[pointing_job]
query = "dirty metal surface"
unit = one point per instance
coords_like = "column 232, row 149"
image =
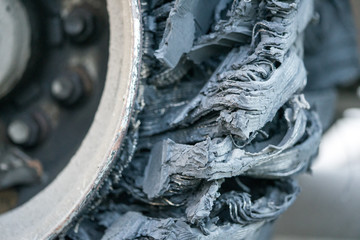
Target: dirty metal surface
column 49, row 212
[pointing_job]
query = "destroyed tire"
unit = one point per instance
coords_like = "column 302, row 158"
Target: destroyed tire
column 211, row 143
column 222, row 124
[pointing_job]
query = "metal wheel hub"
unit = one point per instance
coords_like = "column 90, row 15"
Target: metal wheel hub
column 67, row 107
column 15, row 39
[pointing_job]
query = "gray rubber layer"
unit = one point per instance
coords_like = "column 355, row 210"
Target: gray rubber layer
column 222, row 124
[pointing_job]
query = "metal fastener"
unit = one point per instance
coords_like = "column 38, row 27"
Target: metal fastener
column 79, row 25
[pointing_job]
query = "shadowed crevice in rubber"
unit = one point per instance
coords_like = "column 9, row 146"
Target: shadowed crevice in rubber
column 244, row 116
column 224, row 125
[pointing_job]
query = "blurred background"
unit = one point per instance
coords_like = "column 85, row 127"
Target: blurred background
column 329, row 204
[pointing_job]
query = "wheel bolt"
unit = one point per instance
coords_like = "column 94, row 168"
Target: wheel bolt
column 74, row 25
column 79, row 25
column 70, row 87
column 23, row 132
column 19, row 132
column 62, row 88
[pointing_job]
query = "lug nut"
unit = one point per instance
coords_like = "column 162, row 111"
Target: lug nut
column 62, row 88
column 28, row 130
column 70, row 87
column 23, row 132
column 74, row 25
column 19, row 132
column 79, row 25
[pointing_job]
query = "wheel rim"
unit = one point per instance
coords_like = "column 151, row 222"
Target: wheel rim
column 50, row 211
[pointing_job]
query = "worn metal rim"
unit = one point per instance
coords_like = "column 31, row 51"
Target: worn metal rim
column 53, row 209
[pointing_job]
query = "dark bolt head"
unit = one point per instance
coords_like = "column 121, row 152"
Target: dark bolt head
column 69, row 88
column 62, row 88
column 79, row 25
column 74, row 25
column 19, row 132
column 24, row 131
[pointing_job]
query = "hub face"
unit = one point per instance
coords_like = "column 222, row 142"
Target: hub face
column 15, row 37
column 114, row 74
column 52, row 76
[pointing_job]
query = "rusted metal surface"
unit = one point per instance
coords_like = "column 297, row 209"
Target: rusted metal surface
column 8, row 200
